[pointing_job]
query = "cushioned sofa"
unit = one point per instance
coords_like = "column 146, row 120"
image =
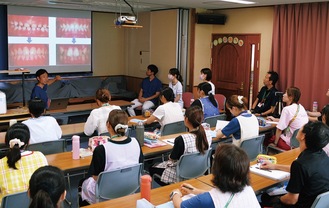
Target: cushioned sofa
column 79, row 87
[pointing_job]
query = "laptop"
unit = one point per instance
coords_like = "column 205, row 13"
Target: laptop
column 58, row 103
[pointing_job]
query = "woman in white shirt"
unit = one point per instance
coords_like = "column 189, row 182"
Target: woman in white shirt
column 168, row 112
column 176, row 85
column 293, row 117
column 231, row 183
column 98, row 117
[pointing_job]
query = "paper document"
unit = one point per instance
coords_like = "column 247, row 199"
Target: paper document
column 271, row 122
column 85, row 152
column 221, row 124
column 136, row 120
column 170, row 141
column 211, row 133
column 272, row 174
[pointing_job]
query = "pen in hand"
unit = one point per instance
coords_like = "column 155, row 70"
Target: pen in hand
column 190, row 188
column 263, row 169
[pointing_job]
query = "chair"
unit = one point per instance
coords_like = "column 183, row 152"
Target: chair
column 173, row 128
column 48, row 148
column 321, row 201
column 253, row 146
column 187, row 97
column 212, row 121
column 193, row 165
column 118, row 183
column 20, row 199
column 293, row 143
column 221, row 99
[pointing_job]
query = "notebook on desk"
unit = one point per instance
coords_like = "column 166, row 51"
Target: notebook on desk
column 272, row 174
column 59, row 103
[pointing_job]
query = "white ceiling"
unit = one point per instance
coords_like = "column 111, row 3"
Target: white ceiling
column 144, row 5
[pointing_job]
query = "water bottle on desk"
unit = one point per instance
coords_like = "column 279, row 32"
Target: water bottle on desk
column 76, row 147
column 315, row 106
column 140, row 133
column 146, row 187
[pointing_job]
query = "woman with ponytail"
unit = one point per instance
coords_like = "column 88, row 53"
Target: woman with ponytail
column 47, row 188
column 119, row 151
column 168, row 112
column 244, row 125
column 195, row 141
column 206, row 100
column 19, row 164
column 97, row 118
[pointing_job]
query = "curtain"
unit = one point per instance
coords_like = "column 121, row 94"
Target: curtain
column 300, row 50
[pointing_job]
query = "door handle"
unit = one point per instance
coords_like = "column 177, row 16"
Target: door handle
column 241, row 86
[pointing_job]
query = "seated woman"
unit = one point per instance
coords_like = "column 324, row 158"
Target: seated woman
column 206, row 101
column 168, row 112
column 19, row 164
column 231, row 183
column 308, row 175
column 293, row 116
column 175, row 84
column 97, row 118
column 42, row 128
column 118, row 152
column 195, row 141
column 244, row 125
column 47, row 187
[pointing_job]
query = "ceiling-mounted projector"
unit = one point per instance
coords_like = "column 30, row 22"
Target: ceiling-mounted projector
column 126, row 20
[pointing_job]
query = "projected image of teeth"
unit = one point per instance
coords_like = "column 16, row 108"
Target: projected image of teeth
column 73, row 54
column 31, row 26
column 28, row 54
column 73, row 27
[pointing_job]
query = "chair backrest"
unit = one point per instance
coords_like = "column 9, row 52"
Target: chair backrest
column 212, row 121
column 253, row 146
column 321, row 201
column 173, row 128
column 293, row 140
column 221, row 99
column 187, row 96
column 193, row 165
column 20, row 199
column 48, row 148
column 118, row 183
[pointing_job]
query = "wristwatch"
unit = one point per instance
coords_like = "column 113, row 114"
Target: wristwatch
column 172, row 194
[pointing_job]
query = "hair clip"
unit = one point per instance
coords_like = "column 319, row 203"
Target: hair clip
column 15, row 141
column 240, row 99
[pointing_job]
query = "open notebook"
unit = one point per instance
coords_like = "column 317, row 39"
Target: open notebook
column 272, row 174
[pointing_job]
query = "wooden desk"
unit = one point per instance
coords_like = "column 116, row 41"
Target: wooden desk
column 67, row 130
column 65, row 162
column 24, row 112
column 87, row 107
column 258, row 182
column 158, row 196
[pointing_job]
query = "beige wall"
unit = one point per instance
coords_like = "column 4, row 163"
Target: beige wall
column 108, row 42
column 137, row 47
column 163, row 31
column 251, row 20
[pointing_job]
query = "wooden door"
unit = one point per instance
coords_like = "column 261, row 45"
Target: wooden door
column 235, row 64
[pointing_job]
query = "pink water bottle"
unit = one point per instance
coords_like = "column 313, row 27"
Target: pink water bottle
column 146, row 187
column 76, row 147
